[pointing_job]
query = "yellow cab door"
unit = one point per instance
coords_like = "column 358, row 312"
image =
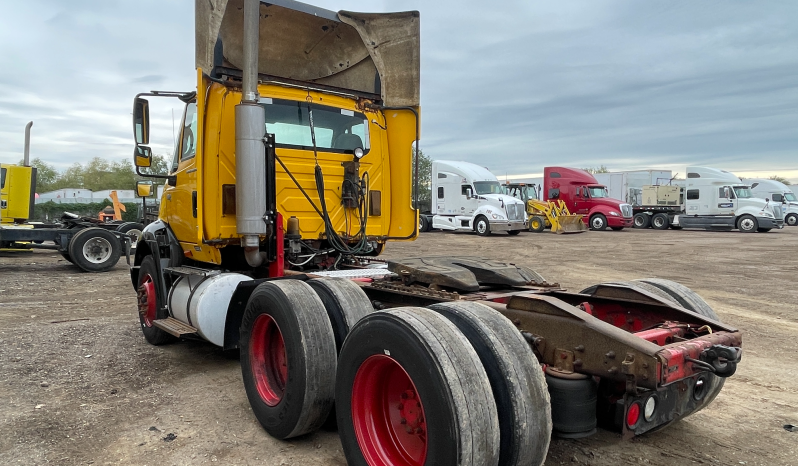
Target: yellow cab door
column 181, row 198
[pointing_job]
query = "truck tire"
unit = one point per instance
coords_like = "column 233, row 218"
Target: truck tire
column 763, row 230
column 149, row 302
column 791, row 220
column 423, row 223
column 94, row 249
column 288, row 358
column 598, row 222
column 513, row 232
column 345, row 303
column 660, row 221
column 411, row 390
column 66, row 256
column 482, row 226
column 518, row 384
column 132, row 229
column 641, row 221
column 537, row 224
column 747, row 224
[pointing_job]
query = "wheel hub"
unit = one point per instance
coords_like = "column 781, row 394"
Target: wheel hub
column 147, row 300
column 97, row 250
column 268, row 359
column 388, row 415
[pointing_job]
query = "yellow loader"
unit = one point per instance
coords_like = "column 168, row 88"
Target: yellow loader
column 544, row 214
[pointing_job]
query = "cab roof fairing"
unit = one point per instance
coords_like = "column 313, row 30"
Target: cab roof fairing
column 375, row 53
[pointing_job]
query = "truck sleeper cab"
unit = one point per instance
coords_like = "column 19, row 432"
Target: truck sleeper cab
column 583, row 195
column 717, row 199
column 777, row 192
column 467, row 197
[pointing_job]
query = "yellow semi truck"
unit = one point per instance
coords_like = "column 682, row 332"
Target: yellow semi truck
column 91, row 245
column 293, row 170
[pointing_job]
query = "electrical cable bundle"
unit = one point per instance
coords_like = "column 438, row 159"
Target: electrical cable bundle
column 335, row 240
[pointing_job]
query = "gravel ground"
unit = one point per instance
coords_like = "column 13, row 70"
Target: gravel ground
column 79, row 385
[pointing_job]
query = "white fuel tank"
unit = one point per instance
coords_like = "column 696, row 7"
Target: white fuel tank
column 201, row 301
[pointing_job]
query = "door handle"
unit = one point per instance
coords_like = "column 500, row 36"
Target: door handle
column 194, row 203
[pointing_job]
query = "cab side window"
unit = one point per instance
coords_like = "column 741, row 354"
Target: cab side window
column 692, row 194
column 778, row 197
column 188, row 143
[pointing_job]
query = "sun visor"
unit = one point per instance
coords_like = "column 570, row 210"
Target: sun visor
column 375, row 53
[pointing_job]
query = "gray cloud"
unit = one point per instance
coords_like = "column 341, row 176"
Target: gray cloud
column 516, row 86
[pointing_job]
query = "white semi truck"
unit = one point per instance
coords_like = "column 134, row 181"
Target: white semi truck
column 709, row 198
column 777, row 192
column 467, row 197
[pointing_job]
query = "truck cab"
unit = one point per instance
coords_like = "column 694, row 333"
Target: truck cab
column 717, row 199
column 17, row 192
column 468, row 197
column 778, row 192
column 584, row 195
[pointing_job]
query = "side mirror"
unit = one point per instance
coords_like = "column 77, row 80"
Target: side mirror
column 142, row 157
column 141, row 121
column 144, row 188
column 469, row 193
column 554, row 193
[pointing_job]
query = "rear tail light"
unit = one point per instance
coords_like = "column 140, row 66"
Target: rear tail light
column 633, row 415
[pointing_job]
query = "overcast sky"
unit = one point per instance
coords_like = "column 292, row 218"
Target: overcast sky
column 514, row 85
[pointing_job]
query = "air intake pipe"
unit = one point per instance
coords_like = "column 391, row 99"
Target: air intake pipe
column 26, row 158
column 251, row 203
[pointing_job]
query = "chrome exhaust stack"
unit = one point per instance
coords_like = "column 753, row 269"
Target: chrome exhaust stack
column 251, row 205
column 26, row 158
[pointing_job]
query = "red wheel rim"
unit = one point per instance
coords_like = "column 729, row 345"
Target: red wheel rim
column 147, row 300
column 387, row 414
column 267, row 359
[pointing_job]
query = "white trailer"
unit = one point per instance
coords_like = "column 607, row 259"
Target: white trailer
column 628, row 185
column 776, row 191
column 467, row 197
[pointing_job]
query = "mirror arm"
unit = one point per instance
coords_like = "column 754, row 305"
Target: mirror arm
column 147, row 175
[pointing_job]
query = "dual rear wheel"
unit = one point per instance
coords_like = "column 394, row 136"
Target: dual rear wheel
column 454, row 384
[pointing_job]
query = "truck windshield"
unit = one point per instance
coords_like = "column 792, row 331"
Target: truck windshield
column 598, row 191
column 790, row 197
column 337, row 130
column 743, row 192
column 488, row 187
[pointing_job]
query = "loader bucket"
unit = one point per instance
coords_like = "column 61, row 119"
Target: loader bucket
column 569, row 224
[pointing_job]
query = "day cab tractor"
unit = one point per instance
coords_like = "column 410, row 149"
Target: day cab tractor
column 293, row 170
column 90, row 244
column 545, row 214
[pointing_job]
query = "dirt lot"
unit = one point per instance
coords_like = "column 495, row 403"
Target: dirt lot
column 79, row 385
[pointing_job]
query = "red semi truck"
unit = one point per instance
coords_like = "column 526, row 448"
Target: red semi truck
column 584, row 195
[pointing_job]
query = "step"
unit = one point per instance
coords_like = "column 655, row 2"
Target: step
column 174, row 327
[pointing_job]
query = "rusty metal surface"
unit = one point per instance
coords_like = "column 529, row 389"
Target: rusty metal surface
column 174, row 327
column 574, row 341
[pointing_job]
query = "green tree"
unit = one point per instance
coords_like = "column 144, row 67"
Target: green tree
column 424, row 179
column 46, row 175
column 780, row 178
column 594, row 170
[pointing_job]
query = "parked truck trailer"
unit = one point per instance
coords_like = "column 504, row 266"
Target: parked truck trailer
column 294, row 171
